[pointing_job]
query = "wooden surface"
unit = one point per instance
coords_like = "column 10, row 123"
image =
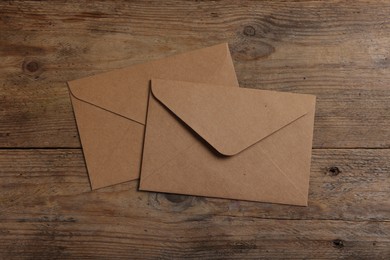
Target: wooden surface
column 337, row 50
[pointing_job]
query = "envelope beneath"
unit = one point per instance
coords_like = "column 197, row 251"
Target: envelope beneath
column 235, row 143
column 110, row 108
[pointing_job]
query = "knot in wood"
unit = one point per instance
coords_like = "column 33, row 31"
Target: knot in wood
column 249, row 30
column 333, row 171
column 338, row 243
column 32, row 66
column 174, row 198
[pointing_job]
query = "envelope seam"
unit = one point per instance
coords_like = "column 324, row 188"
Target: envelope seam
column 143, row 179
column 272, row 133
column 109, row 111
column 281, row 171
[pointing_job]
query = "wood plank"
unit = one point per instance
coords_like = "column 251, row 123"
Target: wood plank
column 222, row 238
column 335, row 50
column 48, row 211
column 351, row 185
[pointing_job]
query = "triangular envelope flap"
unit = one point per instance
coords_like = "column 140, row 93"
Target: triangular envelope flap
column 231, row 119
column 125, row 91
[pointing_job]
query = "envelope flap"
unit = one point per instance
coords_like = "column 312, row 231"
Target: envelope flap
column 122, row 91
column 125, row 91
column 231, row 119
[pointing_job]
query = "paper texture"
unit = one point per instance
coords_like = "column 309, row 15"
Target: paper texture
column 110, row 108
column 228, row 142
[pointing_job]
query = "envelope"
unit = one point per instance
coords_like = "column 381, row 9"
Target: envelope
column 110, row 108
column 228, row 142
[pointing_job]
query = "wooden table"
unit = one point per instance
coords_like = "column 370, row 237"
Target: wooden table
column 336, row 50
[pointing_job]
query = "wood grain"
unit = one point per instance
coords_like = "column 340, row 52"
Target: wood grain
column 344, row 185
column 47, row 208
column 223, row 238
column 335, row 50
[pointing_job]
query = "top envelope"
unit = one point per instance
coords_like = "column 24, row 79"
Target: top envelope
column 110, row 108
column 235, row 143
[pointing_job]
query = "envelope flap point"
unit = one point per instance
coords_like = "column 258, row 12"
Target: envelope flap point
column 231, row 119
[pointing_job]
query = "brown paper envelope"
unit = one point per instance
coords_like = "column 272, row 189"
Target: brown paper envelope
column 235, row 143
column 110, row 108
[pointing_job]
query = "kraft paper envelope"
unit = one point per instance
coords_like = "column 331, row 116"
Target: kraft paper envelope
column 110, row 108
column 236, row 143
